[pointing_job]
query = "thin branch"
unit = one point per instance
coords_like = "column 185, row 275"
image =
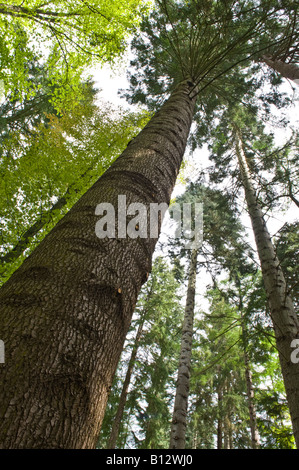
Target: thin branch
column 219, row 357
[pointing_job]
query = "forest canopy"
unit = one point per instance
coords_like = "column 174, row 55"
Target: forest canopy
column 146, row 341
column 66, row 37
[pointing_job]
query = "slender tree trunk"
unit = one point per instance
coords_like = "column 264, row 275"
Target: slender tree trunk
column 152, row 426
column 227, row 423
column 195, row 439
column 220, row 420
column 255, row 440
column 34, row 229
column 290, row 71
column 66, row 311
column 123, row 396
column 45, row 218
column 179, row 419
column 284, row 318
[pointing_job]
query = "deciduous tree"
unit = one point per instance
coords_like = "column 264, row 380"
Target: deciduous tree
column 68, row 37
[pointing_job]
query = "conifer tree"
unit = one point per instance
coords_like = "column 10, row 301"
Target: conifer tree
column 151, row 347
column 221, row 232
column 66, row 311
column 285, row 320
column 248, row 139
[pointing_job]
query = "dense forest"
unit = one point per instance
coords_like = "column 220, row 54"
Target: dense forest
column 149, row 251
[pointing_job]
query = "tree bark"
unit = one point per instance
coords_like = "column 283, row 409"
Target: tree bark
column 124, row 393
column 179, row 419
column 255, row 439
column 219, row 418
column 151, row 440
column 227, row 416
column 287, row 70
column 284, row 318
column 66, row 311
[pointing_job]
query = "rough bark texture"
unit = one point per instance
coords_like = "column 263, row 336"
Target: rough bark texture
column 284, row 318
column 179, row 419
column 65, row 313
column 287, row 70
column 123, row 396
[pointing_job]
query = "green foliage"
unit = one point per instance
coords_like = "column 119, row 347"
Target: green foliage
column 68, row 37
column 218, row 386
column 146, row 423
column 236, row 323
column 45, row 171
column 273, row 168
column 287, row 248
column 273, row 414
column 56, row 141
column 223, row 239
column 181, row 40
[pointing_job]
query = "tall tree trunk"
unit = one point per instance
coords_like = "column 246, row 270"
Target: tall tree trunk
column 227, row 419
column 284, row 318
column 66, row 311
column 287, row 70
column 179, row 419
column 220, row 419
column 123, row 396
column 255, row 440
column 152, row 423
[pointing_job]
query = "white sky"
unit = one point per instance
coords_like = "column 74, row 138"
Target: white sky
column 110, row 83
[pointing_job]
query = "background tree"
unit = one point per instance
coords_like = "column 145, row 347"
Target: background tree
column 285, row 320
column 45, row 170
column 25, row 114
column 221, row 231
column 146, row 408
column 219, row 361
column 178, row 424
column 283, row 56
column 219, row 393
column 251, row 141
